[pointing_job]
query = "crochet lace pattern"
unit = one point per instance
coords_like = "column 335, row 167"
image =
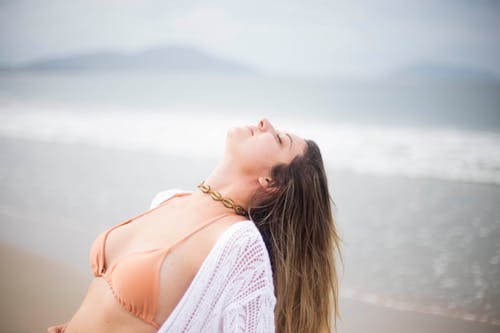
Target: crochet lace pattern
column 233, row 290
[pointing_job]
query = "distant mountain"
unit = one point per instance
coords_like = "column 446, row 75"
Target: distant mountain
column 169, row 59
column 441, row 72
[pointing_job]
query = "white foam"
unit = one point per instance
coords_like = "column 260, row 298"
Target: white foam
column 448, row 154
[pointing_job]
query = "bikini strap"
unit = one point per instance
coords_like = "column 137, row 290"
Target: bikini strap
column 107, row 232
column 159, row 205
column 215, row 219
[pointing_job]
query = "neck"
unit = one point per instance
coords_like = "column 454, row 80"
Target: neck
column 231, row 184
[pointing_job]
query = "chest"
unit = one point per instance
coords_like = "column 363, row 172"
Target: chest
column 142, row 258
column 156, row 230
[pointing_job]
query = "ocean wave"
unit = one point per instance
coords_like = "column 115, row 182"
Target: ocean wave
column 441, row 153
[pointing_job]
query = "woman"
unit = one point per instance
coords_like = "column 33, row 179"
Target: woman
column 252, row 250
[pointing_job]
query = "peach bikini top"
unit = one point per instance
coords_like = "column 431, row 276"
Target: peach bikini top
column 134, row 277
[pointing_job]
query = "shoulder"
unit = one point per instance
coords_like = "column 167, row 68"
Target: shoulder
column 244, row 237
column 243, row 257
column 249, row 289
column 164, row 195
column 234, row 281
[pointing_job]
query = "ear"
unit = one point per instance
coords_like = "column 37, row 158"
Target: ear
column 264, row 182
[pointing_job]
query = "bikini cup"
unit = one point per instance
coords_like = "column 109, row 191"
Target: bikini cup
column 134, row 278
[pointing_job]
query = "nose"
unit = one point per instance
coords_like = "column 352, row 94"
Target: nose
column 265, row 125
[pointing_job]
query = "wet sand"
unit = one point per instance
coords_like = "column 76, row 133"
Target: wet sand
column 360, row 317
column 38, row 292
column 55, row 199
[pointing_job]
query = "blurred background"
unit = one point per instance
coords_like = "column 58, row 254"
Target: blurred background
column 105, row 103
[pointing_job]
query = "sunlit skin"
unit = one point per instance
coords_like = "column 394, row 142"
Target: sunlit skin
column 250, row 153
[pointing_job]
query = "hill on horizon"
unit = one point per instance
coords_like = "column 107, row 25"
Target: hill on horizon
column 429, row 71
column 166, row 59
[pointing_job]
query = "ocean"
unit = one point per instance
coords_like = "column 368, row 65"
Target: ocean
column 414, row 167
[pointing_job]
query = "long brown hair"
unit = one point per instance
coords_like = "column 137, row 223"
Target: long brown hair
column 296, row 221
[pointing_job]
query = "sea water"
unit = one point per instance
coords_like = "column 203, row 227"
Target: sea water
column 421, row 223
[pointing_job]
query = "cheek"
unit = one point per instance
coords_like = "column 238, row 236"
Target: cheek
column 256, row 153
column 266, row 153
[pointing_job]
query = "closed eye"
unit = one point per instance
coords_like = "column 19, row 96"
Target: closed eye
column 279, row 139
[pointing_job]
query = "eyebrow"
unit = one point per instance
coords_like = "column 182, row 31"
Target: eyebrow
column 291, row 140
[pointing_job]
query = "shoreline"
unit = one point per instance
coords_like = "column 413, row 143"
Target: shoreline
column 372, row 298
column 361, row 317
column 57, row 198
column 48, row 292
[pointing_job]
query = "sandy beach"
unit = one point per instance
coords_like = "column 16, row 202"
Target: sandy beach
column 106, row 104
column 38, row 292
column 56, row 198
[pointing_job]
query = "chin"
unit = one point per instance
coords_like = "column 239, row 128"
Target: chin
column 240, row 132
column 235, row 138
column 230, row 135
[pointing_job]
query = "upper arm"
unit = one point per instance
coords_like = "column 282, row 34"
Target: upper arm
column 253, row 315
column 252, row 301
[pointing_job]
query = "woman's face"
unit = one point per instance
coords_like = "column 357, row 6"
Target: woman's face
column 257, row 148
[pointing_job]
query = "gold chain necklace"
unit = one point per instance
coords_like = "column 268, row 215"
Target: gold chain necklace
column 229, row 203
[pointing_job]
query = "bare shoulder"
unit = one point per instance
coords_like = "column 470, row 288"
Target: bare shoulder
column 225, row 224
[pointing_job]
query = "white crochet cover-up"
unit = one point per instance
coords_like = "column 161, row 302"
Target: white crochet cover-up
column 233, row 290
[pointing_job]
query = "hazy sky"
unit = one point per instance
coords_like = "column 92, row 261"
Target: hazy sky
column 313, row 37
